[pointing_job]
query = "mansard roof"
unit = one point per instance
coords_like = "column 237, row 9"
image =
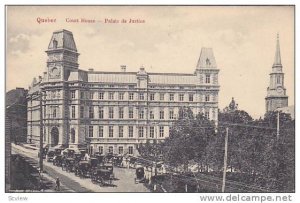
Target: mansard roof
column 131, row 77
column 206, row 59
column 62, row 39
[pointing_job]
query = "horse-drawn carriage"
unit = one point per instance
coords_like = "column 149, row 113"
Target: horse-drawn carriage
column 102, row 176
column 68, row 153
column 139, row 174
column 57, row 160
column 118, row 160
column 50, row 155
column 68, row 164
column 83, row 169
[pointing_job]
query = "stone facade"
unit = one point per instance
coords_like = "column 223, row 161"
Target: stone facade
column 114, row 111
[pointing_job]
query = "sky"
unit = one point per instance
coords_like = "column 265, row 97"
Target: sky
column 243, row 39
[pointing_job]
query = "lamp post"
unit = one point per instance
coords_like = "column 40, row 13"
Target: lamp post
column 225, row 161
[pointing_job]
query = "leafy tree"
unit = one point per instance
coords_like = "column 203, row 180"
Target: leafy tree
column 189, row 137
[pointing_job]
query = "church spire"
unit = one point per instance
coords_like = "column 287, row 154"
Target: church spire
column 277, row 59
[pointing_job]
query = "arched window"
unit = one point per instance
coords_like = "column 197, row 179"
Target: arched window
column 278, row 80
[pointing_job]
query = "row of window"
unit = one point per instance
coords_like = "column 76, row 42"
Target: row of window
column 141, row 96
column 111, row 133
column 111, row 149
column 141, row 114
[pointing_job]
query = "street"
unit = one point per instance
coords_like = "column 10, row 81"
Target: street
column 124, row 178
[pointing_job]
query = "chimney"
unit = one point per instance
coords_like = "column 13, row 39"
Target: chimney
column 123, row 68
column 91, row 69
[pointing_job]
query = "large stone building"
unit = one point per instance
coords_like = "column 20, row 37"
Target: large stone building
column 276, row 92
column 113, row 111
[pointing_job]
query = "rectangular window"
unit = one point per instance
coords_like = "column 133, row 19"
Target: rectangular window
column 171, row 97
column 161, row 96
column 91, row 112
column 141, row 131
column 91, row 95
column 130, row 150
column 161, row 114
column 100, row 149
column 54, row 111
column 100, row 131
column 141, row 114
column 152, row 131
column 130, row 112
column 161, row 131
column 207, row 78
column 121, row 96
column 207, row 114
column 111, row 131
column 121, row 151
column 73, row 94
column 120, row 131
column 181, row 97
column 121, row 112
column 91, row 131
column 73, row 112
column 81, row 111
column 111, row 96
column 91, row 150
column 171, row 114
column 101, row 113
column 82, row 95
column 110, row 149
column 207, row 98
column 141, row 96
column 191, row 97
column 131, row 95
column 111, row 112
column 151, row 115
column 101, row 95
column 152, row 96
column 130, row 131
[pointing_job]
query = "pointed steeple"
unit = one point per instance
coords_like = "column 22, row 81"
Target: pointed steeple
column 277, row 59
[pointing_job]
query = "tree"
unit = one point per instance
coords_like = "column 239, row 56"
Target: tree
column 188, row 139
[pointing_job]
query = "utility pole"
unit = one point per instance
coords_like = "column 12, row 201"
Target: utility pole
column 41, row 133
column 278, row 125
column 225, row 160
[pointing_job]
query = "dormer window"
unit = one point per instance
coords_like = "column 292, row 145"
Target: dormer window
column 54, row 44
column 208, row 62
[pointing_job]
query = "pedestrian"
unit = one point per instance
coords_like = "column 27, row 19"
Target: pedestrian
column 57, row 187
